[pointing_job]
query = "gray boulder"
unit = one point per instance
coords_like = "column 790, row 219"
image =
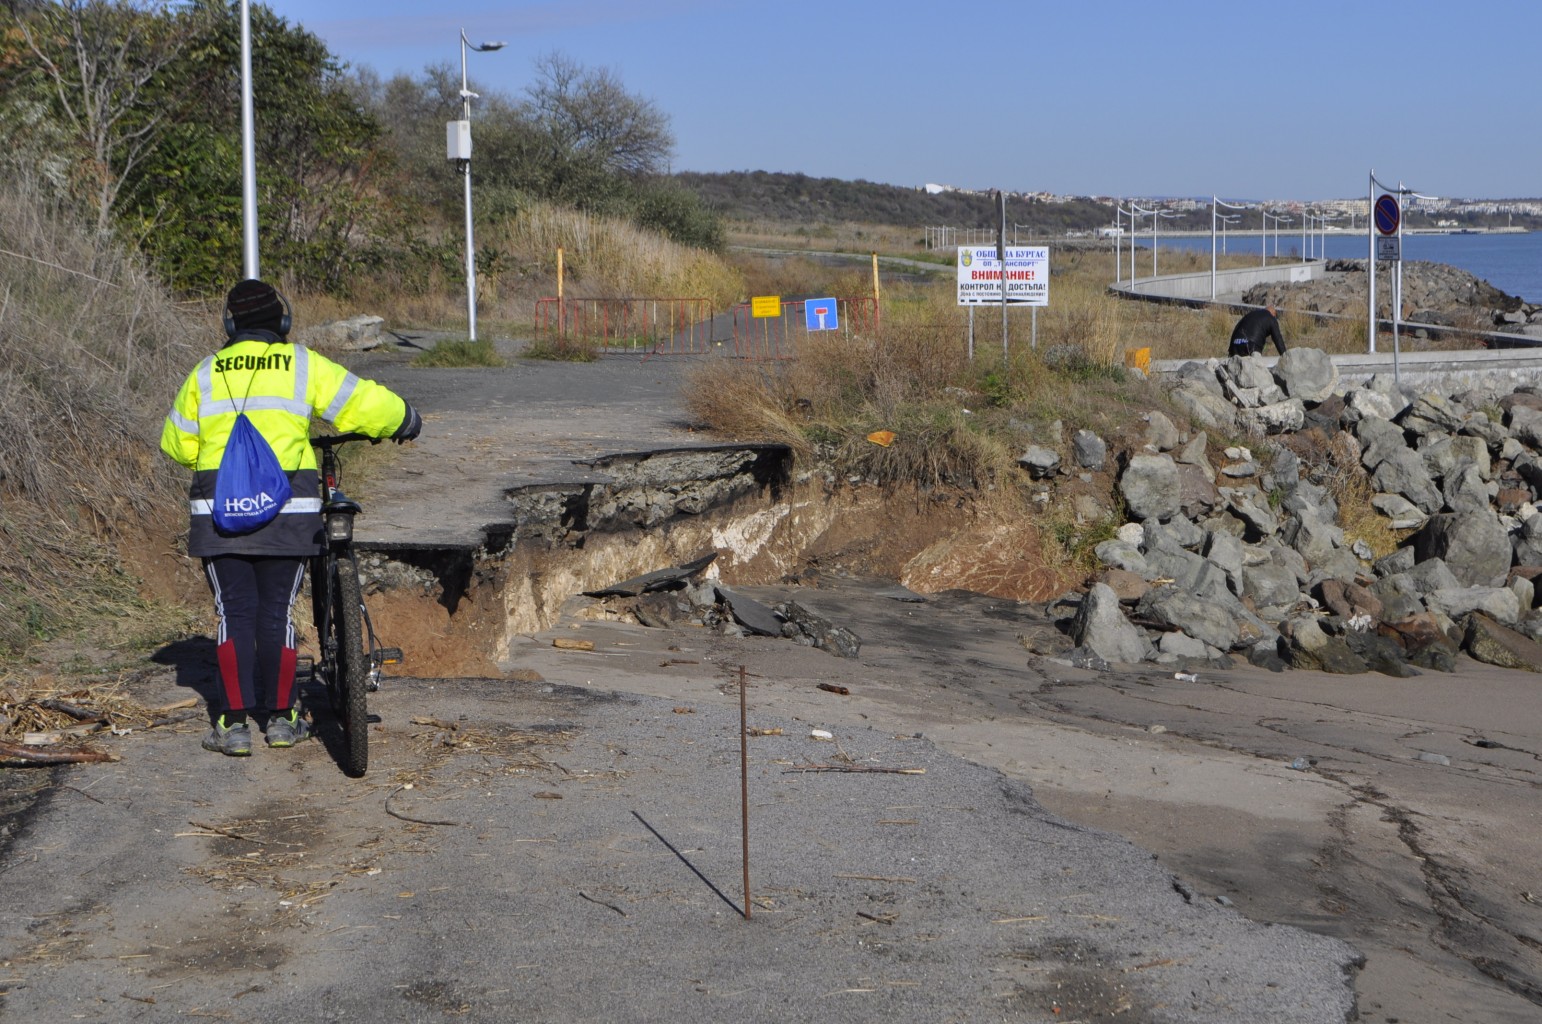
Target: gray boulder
column 1378, row 438
column 1360, row 403
column 1431, row 413
column 1491, row 643
column 1527, row 542
column 1274, row 417
column 353, row 334
column 1207, row 620
column 1123, row 555
column 1089, row 450
column 1307, row 374
column 1474, row 545
column 1273, row 589
column 1040, row 462
column 1161, row 434
column 1499, row 603
column 1151, row 487
column 1209, row 409
column 1100, row 626
column 1405, row 515
column 1402, row 472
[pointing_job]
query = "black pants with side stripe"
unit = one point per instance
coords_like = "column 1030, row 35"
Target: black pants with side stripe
column 253, row 596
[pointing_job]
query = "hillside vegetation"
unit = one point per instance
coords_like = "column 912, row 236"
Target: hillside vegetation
column 798, row 198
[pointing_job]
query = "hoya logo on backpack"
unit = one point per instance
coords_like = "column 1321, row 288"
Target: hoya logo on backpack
column 250, row 487
column 258, row 505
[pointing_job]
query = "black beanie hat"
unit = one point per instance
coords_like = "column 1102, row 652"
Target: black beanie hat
column 255, row 306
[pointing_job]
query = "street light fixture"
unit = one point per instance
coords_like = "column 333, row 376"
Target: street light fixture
column 458, row 148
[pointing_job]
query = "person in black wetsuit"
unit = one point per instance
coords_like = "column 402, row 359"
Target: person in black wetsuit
column 1253, row 331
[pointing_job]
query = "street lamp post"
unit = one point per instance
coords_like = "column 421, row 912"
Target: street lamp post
column 1216, row 217
column 459, row 150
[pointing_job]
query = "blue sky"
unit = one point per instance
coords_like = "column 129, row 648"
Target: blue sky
column 1276, row 100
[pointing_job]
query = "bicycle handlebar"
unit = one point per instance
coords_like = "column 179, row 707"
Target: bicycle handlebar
column 338, row 440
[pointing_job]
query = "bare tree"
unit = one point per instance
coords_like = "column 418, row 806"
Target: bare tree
column 589, row 113
column 98, row 61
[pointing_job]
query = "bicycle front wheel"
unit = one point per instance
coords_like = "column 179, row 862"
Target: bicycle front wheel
column 352, row 669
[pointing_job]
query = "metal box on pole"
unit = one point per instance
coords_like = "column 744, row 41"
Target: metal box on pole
column 457, row 140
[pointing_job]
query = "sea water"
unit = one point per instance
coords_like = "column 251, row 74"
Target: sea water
column 1510, row 262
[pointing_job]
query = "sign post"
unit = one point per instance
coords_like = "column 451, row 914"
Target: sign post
column 984, row 269
column 1388, row 218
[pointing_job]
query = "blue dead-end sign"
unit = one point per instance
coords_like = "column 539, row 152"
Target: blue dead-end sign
column 821, row 315
column 1387, row 214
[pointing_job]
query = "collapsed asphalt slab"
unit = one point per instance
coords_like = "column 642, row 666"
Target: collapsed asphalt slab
column 523, row 851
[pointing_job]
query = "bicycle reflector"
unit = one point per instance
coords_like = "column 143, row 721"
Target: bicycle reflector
column 340, row 526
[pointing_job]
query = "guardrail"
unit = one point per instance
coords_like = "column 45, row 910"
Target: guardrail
column 651, row 326
column 778, row 337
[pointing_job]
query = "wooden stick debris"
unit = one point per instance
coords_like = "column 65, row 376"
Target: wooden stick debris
column 403, row 817
column 36, row 756
column 832, row 688
column 877, row 878
column 854, row 769
column 228, row 833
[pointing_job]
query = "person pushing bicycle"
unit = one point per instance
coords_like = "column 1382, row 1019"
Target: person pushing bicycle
column 255, row 575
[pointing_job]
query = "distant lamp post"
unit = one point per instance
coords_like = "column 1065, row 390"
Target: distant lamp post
column 458, row 148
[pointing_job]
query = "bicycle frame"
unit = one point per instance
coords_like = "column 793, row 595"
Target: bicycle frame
column 349, row 658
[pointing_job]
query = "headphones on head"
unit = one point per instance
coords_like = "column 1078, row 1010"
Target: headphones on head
column 285, row 322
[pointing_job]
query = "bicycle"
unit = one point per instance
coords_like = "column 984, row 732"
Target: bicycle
column 349, row 659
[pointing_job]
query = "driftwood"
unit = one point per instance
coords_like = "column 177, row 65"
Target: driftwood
column 39, row 757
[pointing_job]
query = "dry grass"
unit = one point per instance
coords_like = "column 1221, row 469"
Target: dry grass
column 607, row 257
column 94, row 350
column 1351, row 488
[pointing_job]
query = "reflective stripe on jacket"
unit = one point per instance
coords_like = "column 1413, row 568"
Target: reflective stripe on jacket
column 280, row 387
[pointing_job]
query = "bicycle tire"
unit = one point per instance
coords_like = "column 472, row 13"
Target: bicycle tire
column 352, row 670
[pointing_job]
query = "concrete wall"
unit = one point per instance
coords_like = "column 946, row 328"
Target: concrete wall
column 1227, row 282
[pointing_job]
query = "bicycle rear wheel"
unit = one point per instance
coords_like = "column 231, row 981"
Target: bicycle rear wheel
column 351, row 673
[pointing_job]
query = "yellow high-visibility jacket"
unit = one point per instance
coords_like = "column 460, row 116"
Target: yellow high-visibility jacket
column 280, row 386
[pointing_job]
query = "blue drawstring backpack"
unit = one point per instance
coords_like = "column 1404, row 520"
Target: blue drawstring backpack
column 250, row 487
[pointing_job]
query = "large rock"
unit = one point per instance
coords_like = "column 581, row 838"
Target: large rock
column 1207, row 408
column 1378, row 438
column 1307, row 374
column 1474, row 545
column 1121, row 554
column 1039, row 461
column 1161, row 434
column 805, row 627
column 1273, row 589
column 1089, row 450
column 1360, row 403
column 1101, row 627
column 1424, row 643
column 1499, row 603
column 1274, row 417
column 355, row 334
column 1402, row 472
column 1151, row 487
column 1404, row 514
column 1431, row 413
column 1527, row 541
column 1494, row 644
column 1308, row 646
column 1217, row 619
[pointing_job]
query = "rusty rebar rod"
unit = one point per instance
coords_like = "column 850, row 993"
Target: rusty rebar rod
column 744, row 789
